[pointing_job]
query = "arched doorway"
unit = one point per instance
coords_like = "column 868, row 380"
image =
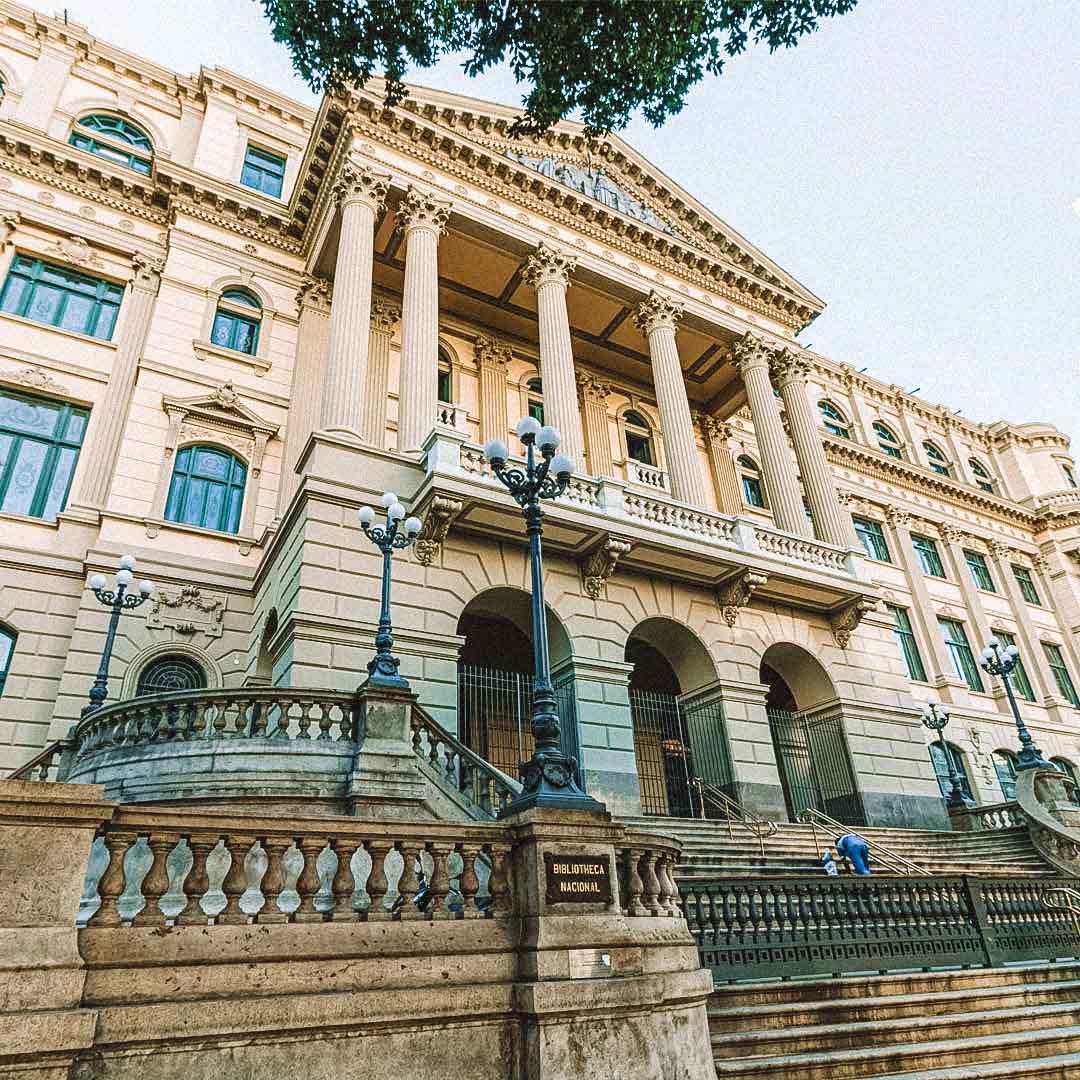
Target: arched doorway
column 680, row 743
column 809, row 740
column 495, row 679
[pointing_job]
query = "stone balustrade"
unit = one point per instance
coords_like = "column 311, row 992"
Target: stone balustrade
column 686, row 519
column 637, row 472
column 800, row 549
column 646, row 866
column 53, row 763
column 451, row 416
column 993, row 817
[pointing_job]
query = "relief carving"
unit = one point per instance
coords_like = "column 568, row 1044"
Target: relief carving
column 597, row 567
column 187, row 610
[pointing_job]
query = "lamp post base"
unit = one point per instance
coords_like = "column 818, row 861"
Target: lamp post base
column 551, row 781
column 1031, row 758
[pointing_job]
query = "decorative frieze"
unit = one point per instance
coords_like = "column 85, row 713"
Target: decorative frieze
column 736, row 591
column 187, row 610
column 598, row 566
column 35, row 378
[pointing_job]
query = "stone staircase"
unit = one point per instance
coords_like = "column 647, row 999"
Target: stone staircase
column 1018, row 1022
column 710, row 849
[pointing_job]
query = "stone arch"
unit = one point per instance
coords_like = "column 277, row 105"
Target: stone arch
column 141, row 660
column 264, row 658
column 75, row 110
column 241, row 281
column 685, row 652
column 803, row 673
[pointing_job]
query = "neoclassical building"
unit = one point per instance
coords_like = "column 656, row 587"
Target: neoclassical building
column 227, row 321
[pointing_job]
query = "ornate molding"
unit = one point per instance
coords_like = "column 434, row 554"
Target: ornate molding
column 76, row 250
column 490, row 353
column 314, row 293
column 845, row 620
column 594, row 390
column 714, row 429
column 361, row 183
column 385, row 314
column 35, row 378
column 188, row 610
column 599, row 565
column 146, row 271
column 750, row 351
column 421, row 210
column 736, row 591
column 9, row 223
column 951, row 534
column 547, row 265
column 999, row 550
column 657, row 311
column 441, row 514
column 788, row 366
column 897, row 517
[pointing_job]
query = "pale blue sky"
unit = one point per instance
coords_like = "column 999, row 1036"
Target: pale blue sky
column 915, row 164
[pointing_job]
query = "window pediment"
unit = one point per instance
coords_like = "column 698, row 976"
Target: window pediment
column 219, row 411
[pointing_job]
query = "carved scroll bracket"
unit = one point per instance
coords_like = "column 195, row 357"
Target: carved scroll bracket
column 845, row 620
column 735, row 593
column 442, row 512
column 600, row 564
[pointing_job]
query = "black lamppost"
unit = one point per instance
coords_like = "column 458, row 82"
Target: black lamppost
column 935, row 717
column 118, row 599
column 549, row 778
column 383, row 668
column 996, row 660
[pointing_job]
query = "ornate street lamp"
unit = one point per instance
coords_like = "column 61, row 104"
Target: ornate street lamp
column 996, row 660
column 549, row 778
column 935, row 717
column 395, row 534
column 118, row 599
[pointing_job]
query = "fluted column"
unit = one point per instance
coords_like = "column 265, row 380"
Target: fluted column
column 751, row 358
column 313, row 325
column 790, row 371
column 594, row 395
column 656, row 317
column 493, row 359
column 101, row 448
column 548, row 272
column 717, row 435
column 422, row 217
column 384, row 317
column 360, row 193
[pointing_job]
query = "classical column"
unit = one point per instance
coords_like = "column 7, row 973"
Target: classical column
column 493, row 359
column 594, row 395
column 656, row 317
column 751, row 358
column 313, row 325
column 834, row 526
column 384, row 317
column 548, row 272
column 360, row 193
column 717, row 436
column 422, row 218
column 108, row 418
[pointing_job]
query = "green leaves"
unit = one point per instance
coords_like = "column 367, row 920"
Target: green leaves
column 599, row 61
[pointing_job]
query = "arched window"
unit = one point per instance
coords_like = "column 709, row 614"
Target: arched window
column 7, row 651
column 941, row 769
column 207, row 489
column 536, row 399
column 1005, row 767
column 983, row 479
column 1066, row 767
column 173, row 673
column 938, row 461
column 236, row 321
column 638, row 438
column 1070, row 476
column 114, row 139
column 888, row 443
column 446, row 385
column 835, row 421
column 753, row 491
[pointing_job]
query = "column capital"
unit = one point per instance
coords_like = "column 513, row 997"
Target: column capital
column 147, row 272
column 314, row 292
column 9, row 222
column 385, row 314
column 713, row 428
column 999, row 549
column 751, row 352
column 361, row 184
column 788, row 366
column 897, row 517
column 490, row 353
column 1041, row 563
column 422, row 210
column 951, row 534
column 657, row 311
column 547, row 264
column 593, row 390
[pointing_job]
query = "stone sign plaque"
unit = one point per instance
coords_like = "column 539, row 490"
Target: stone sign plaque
column 577, row 879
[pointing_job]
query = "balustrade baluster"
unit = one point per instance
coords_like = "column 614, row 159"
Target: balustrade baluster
column 713, row 916
column 439, row 885
column 650, row 886
column 326, row 722
column 728, row 911
column 198, row 720
column 273, row 882
column 417, row 735
column 468, row 882
column 197, row 882
column 156, row 883
column 235, row 884
column 768, row 908
column 409, row 883
column 344, row 884
column 307, row 884
column 348, row 724
column 281, row 727
column 498, row 883
column 634, row 884
column 220, row 719
column 377, row 884
column 257, row 727
column 111, row 883
column 303, row 721
column 663, row 895
column 753, row 900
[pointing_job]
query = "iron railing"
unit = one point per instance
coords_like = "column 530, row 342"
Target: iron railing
column 893, row 862
column 1062, row 898
column 748, row 928
column 727, row 809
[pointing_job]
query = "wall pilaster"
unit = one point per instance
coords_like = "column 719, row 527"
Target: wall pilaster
column 717, row 435
column 385, row 315
column 493, row 359
column 594, row 395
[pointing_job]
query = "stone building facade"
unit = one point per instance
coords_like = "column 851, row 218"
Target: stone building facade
column 228, row 320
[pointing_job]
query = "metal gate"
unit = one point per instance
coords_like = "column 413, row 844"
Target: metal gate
column 674, row 745
column 815, row 768
column 495, row 715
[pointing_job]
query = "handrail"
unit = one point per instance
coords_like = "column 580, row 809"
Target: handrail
column 734, row 813
column 888, row 858
column 56, row 755
column 1056, row 842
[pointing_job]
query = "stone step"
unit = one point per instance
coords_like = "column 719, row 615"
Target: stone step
column 1058, row 1067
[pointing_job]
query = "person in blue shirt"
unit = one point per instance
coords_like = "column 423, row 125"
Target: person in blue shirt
column 853, row 849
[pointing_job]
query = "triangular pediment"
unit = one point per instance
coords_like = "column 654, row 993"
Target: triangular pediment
column 223, row 408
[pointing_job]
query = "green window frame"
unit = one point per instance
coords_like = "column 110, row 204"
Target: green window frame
column 927, row 553
column 115, row 140
column 938, row 461
column 872, row 538
column 1058, row 668
column 638, row 438
column 888, row 443
column 49, row 294
column 983, row 479
column 264, row 171
column 1070, row 476
column 835, row 421
column 8, row 637
column 959, row 649
column 207, row 489
column 39, row 449
column 1005, row 767
column 237, row 321
column 536, row 400
column 752, row 488
column 941, row 769
column 1019, row 677
column 1026, row 583
column 905, row 638
column 980, row 572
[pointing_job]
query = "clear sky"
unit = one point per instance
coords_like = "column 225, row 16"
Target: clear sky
column 915, row 164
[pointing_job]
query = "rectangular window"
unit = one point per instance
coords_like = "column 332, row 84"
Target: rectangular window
column 1021, row 682
column 905, row 638
column 956, row 641
column 752, row 492
column 1027, row 585
column 980, row 572
column 50, row 294
column 928, row 556
column 872, row 538
column 39, row 446
column 443, row 392
column 263, row 171
column 1056, row 660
